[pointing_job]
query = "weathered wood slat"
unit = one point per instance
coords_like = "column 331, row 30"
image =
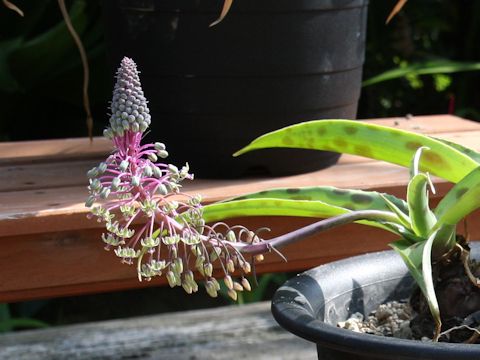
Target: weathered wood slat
column 53, row 174
column 429, row 124
column 50, row 248
column 62, row 208
column 20, row 152
column 74, row 262
column 44, row 175
column 233, row 332
column 57, row 172
column 81, row 148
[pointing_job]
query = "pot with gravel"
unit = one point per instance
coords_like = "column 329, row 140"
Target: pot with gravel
column 358, row 309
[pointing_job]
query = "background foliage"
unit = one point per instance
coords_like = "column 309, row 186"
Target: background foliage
column 40, row 97
column 40, row 69
column 424, row 35
column 41, row 73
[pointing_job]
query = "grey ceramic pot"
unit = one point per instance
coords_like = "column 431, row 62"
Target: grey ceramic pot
column 311, row 304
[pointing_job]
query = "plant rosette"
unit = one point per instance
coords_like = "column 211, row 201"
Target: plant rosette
column 151, row 223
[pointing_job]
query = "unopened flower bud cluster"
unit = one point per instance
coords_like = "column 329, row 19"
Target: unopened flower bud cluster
column 129, row 105
column 148, row 220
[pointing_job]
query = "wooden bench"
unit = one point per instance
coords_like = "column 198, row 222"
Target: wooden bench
column 49, row 247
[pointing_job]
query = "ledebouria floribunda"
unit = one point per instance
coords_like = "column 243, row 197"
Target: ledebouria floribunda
column 148, row 219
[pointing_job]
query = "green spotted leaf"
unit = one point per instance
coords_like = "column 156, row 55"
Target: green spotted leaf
column 460, row 201
column 472, row 154
column 270, row 207
column 350, row 199
column 372, row 141
column 283, row 207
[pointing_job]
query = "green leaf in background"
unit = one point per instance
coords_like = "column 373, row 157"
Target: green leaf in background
column 5, row 317
column 8, row 83
column 371, row 141
column 16, row 323
column 21, row 28
column 443, row 66
column 8, row 323
column 56, row 43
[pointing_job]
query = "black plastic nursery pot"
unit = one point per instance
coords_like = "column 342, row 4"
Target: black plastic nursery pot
column 311, row 304
column 269, row 64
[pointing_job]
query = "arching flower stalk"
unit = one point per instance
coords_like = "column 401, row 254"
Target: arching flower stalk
column 148, row 219
column 150, row 222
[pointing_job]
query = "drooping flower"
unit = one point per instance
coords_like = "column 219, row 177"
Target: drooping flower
column 148, row 220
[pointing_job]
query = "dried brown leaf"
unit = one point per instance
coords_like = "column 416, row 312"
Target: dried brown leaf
column 398, row 6
column 226, row 7
column 86, row 72
column 13, row 7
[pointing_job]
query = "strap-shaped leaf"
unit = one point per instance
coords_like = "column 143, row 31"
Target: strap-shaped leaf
column 422, row 218
column 474, row 155
column 429, row 286
column 282, row 207
column 460, row 201
column 402, row 216
column 417, row 257
column 438, row 66
column 412, row 257
column 270, row 207
column 372, row 141
column 350, row 199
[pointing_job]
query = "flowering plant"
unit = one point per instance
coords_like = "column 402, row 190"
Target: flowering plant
column 138, row 189
column 165, row 231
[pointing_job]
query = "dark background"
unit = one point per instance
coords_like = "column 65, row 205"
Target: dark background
column 41, row 74
column 40, row 98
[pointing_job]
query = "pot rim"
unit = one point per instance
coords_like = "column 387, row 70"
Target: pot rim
column 296, row 315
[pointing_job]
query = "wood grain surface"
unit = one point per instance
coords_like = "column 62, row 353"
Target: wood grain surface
column 49, row 248
column 232, row 332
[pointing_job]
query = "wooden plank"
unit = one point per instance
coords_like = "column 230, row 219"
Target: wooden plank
column 56, row 172
column 81, row 148
column 232, row 332
column 50, row 175
column 20, row 177
column 19, row 152
column 430, row 124
column 74, row 262
column 64, row 257
column 41, row 210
